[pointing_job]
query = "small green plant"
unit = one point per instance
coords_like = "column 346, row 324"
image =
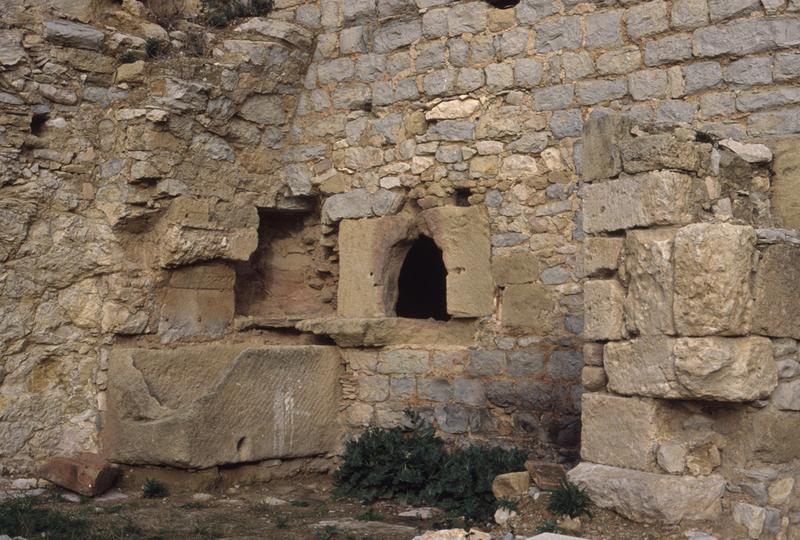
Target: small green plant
column 128, row 57
column 220, row 12
column 281, row 522
column 569, row 500
column 155, row 48
column 193, row 506
column 509, row 504
column 328, row 533
column 369, row 515
column 153, row 489
column 549, row 526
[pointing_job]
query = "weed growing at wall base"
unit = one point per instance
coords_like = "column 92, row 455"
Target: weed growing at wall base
column 411, row 464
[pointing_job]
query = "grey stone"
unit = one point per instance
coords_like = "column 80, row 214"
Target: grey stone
column 402, row 387
column 458, row 50
column 567, row 123
column 430, row 55
column 774, row 123
column 777, row 97
column 353, row 96
column 352, row 40
column 452, row 130
column 648, row 84
column 72, row 34
column 676, row 111
column 558, row 34
column 701, row 76
column 746, row 36
column 577, row 65
column 604, row 29
column 373, row 387
column 689, row 14
column 620, row 61
column 434, row 23
column 749, row 71
column 340, row 69
column 726, row 9
column 593, row 92
column 533, row 11
column 787, row 66
column 467, row 18
column 352, row 205
column 787, row 396
column 508, row 239
column 499, row 76
column 439, row 82
column 456, row 418
column 530, row 143
column 528, row 72
column 389, row 8
column 481, row 49
column 513, row 42
column 398, row 62
column 647, row 19
column 370, row 67
column 525, row 363
column 554, row 276
column 669, row 49
column 468, row 391
column 469, row 79
column 483, row 362
column 553, row 97
column 358, row 11
column 435, row 389
column 565, row 365
column 717, row 104
column 393, row 35
column 403, row 361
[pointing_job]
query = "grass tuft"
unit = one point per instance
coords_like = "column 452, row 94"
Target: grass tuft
column 153, row 489
column 569, row 500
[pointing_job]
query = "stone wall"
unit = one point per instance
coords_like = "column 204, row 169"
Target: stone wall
column 132, row 191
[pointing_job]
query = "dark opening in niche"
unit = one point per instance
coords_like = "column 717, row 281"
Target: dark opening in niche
column 422, row 285
column 502, row 4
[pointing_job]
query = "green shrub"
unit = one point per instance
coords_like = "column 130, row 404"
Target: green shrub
column 569, row 500
column 28, row 517
column 153, row 489
column 219, row 13
column 128, row 57
column 156, row 48
column 411, row 464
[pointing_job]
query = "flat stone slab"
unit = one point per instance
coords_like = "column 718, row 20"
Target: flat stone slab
column 201, row 406
column 648, row 497
column 380, row 331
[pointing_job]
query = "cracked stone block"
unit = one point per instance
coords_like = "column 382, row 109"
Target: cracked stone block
column 203, row 406
column 777, row 311
column 648, row 497
column 713, row 368
column 648, row 266
column 654, row 198
column 712, row 294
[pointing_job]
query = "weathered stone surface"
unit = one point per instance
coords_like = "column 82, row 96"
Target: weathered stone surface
column 655, row 198
column 601, row 255
column 603, row 310
column 648, row 267
column 528, row 306
column 786, row 182
column 717, row 369
column 378, row 332
column 776, row 311
column 545, row 474
column 72, row 34
column 87, row 474
column 601, row 135
column 713, row 263
column 511, row 485
column 371, row 252
column 462, row 233
column 515, row 268
column 360, row 203
column 238, row 405
column 448, row 110
column 665, row 151
column 195, row 312
column 750, row 517
column 648, row 497
column 602, row 440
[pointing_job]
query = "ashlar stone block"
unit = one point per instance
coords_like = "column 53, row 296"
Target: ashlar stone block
column 654, row 198
column 603, row 310
column 777, row 292
column 651, row 498
column 203, row 406
column 601, row 255
column 713, row 263
column 711, row 368
column 648, row 267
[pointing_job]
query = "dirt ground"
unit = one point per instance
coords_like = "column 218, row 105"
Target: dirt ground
column 308, row 512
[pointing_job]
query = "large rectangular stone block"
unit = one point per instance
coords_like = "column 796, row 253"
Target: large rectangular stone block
column 713, row 263
column 601, row 255
column 648, row 266
column 203, row 406
column 648, row 497
column 602, row 311
column 620, row 431
column 712, row 368
column 777, row 292
column 654, row 198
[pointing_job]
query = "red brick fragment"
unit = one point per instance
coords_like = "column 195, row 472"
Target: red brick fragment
column 88, row 474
